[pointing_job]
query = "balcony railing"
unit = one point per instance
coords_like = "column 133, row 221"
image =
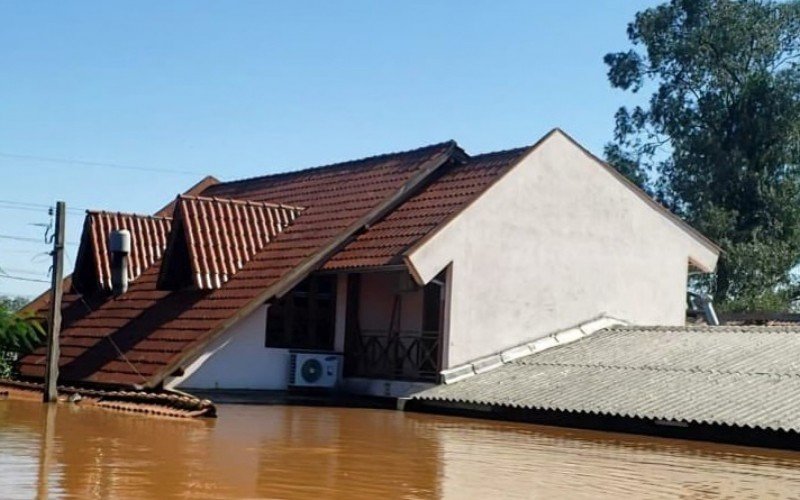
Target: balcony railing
column 404, row 356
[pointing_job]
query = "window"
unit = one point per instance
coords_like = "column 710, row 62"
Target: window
column 304, row 318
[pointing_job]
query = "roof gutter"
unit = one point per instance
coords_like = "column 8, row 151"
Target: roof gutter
column 316, row 260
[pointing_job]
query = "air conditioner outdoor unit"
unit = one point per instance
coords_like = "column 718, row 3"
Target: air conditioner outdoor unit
column 307, row 369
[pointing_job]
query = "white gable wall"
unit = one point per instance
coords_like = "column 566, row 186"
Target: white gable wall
column 555, row 242
column 239, row 360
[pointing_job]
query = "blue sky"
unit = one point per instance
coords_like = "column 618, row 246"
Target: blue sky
column 238, row 89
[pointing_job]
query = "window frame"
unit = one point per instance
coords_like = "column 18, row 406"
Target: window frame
column 304, row 318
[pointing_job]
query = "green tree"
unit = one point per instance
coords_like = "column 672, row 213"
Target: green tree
column 718, row 140
column 13, row 303
column 20, row 332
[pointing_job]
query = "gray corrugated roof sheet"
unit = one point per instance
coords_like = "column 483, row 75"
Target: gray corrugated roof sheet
column 743, row 376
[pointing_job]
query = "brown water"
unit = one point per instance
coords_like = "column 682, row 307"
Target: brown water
column 298, row 452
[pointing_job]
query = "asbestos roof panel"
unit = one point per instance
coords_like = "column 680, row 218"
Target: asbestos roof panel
column 739, row 376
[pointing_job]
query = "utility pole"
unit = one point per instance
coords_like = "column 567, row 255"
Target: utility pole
column 54, row 319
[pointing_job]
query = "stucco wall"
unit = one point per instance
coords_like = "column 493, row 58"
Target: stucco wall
column 555, row 242
column 377, row 300
column 240, row 360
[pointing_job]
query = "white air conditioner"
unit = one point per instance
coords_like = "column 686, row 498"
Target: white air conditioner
column 307, row 369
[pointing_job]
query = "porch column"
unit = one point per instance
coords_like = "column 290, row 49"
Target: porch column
column 341, row 312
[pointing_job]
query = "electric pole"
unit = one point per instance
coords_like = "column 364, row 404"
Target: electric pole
column 54, row 319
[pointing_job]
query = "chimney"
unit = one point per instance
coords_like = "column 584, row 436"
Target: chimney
column 119, row 244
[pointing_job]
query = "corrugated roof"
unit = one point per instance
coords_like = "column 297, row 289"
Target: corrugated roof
column 740, row 376
column 137, row 338
column 222, row 235
column 148, row 240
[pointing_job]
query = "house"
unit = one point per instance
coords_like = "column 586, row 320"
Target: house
column 408, row 264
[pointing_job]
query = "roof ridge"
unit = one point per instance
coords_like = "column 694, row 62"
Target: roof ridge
column 654, row 368
column 558, row 338
column 443, row 145
column 127, row 214
column 710, row 328
column 501, row 152
column 236, row 201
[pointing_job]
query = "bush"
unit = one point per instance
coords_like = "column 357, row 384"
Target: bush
column 20, row 333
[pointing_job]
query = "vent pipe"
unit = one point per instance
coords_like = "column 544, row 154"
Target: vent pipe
column 703, row 304
column 708, row 310
column 119, row 244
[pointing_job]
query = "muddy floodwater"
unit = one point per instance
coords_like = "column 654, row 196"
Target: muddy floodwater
column 302, row 452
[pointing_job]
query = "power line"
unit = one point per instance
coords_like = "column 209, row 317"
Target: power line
column 21, row 238
column 96, row 164
column 29, row 272
column 24, row 203
column 25, row 209
column 20, row 251
column 22, row 278
column 108, row 335
column 29, row 240
column 37, row 206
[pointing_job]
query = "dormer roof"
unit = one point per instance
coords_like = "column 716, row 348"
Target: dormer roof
column 93, row 266
column 213, row 238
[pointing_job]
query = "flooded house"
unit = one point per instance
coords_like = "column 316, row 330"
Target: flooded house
column 381, row 276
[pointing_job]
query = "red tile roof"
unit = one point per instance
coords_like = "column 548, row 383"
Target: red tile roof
column 148, row 240
column 40, row 304
column 222, row 235
column 142, row 336
column 196, row 189
column 456, row 185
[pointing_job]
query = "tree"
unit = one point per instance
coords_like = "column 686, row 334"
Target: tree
column 718, row 141
column 13, row 303
column 20, row 332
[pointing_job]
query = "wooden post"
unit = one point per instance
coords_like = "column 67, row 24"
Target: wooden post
column 54, row 319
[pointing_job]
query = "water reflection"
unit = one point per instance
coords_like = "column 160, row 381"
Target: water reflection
column 291, row 452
